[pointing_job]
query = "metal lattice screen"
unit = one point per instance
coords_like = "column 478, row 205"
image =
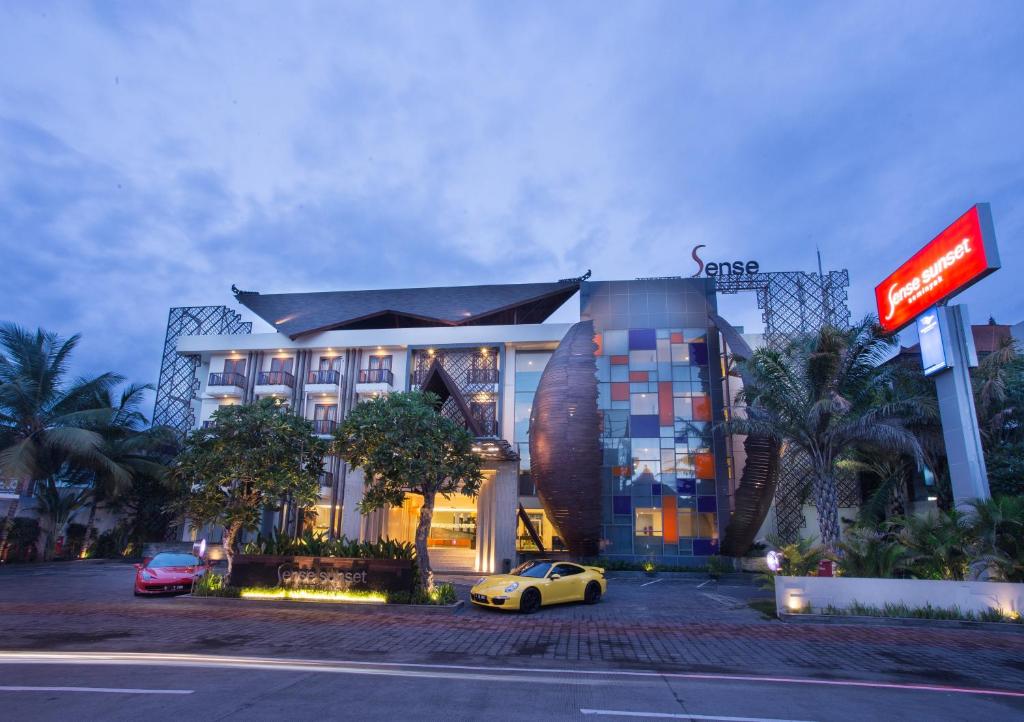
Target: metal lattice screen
column 475, row 372
column 794, row 303
column 178, row 384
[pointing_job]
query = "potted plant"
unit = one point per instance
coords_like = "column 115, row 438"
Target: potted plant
column 650, row 569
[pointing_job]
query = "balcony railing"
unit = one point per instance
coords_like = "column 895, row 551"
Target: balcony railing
column 376, row 376
column 324, row 427
column 483, row 376
column 227, row 379
column 275, row 378
column 328, row 376
column 209, row 423
column 327, row 479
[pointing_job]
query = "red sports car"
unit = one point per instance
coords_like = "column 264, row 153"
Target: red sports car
column 168, row 573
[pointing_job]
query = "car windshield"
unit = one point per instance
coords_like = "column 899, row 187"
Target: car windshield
column 173, row 560
column 537, row 570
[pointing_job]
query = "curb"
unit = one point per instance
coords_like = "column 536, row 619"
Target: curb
column 188, row 599
column 855, row 620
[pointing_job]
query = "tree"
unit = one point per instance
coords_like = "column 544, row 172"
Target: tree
column 823, row 396
column 405, row 446
column 253, row 456
column 45, row 423
column 58, row 502
column 999, row 400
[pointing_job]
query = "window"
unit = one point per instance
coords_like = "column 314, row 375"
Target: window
column 234, row 366
column 645, row 404
column 567, row 570
column 648, row 521
column 280, row 364
column 380, row 362
column 532, row 569
column 325, row 412
column 330, row 363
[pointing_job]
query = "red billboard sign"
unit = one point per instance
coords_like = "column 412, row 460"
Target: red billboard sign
column 959, row 256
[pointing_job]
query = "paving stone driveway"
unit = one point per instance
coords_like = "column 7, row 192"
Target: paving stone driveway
column 665, row 626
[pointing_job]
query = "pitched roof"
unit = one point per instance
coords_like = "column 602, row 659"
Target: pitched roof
column 297, row 314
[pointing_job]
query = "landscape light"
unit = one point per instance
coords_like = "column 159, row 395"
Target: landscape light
column 796, row 602
column 774, row 561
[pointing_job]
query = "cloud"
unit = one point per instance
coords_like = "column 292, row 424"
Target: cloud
column 155, row 154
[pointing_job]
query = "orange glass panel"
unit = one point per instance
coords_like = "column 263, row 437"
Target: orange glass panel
column 665, row 413
column 620, row 360
column 676, row 338
column 701, row 408
column 704, row 465
column 620, row 391
column 638, row 376
column 599, row 341
column 669, row 519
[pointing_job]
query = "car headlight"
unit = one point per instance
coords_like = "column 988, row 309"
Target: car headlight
column 146, row 575
column 512, row 587
column 481, row 580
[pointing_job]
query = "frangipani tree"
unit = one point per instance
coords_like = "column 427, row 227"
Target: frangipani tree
column 253, row 456
column 404, row 446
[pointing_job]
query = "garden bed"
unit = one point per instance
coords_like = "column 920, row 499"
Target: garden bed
column 884, row 621
column 319, row 605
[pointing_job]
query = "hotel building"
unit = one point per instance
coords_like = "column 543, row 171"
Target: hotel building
column 599, row 438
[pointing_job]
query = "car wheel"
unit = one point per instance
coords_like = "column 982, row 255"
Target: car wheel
column 592, row 595
column 530, row 601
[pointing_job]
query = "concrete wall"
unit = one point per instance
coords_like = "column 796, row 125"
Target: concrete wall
column 793, row 593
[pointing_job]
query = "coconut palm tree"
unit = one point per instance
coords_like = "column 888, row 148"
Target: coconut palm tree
column 823, row 396
column 58, row 502
column 46, row 421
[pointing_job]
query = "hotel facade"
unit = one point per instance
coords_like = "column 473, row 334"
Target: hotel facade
column 599, row 438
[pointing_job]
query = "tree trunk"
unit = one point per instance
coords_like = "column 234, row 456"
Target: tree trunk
column 231, row 533
column 422, row 532
column 87, row 542
column 12, row 511
column 827, row 504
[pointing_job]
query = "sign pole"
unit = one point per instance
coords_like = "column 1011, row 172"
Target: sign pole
column 967, row 473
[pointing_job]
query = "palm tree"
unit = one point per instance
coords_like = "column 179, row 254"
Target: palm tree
column 58, row 502
column 45, row 423
column 823, row 396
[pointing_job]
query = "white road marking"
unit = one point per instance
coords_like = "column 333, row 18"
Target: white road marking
column 212, row 661
column 704, row 584
column 669, row 715
column 106, row 690
column 654, row 582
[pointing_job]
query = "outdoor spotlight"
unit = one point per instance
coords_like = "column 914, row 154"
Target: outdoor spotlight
column 774, row 561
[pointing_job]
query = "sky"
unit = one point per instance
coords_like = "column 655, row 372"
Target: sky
column 153, row 154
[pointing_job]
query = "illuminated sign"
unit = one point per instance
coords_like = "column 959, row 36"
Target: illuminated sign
column 961, row 255
column 722, row 268
column 929, row 333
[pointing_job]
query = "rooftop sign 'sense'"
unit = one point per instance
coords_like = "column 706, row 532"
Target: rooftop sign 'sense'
column 962, row 254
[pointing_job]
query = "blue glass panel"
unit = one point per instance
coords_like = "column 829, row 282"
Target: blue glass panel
column 642, row 338
column 656, row 499
column 698, row 353
column 686, row 486
column 644, row 426
column 705, row 547
column 615, row 343
column 621, row 504
column 707, row 503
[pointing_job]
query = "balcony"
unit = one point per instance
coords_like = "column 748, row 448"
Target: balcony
column 209, row 423
column 226, row 384
column 323, row 382
column 324, row 427
column 274, row 383
column 375, row 381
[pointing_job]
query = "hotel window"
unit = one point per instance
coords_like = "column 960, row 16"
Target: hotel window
column 380, row 362
column 330, row 363
column 325, row 412
column 648, row 521
column 234, row 366
column 281, row 364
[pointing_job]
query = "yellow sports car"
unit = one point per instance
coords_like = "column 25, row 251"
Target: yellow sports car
column 538, row 582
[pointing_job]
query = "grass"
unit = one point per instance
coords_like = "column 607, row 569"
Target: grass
column 903, row 611
column 765, row 606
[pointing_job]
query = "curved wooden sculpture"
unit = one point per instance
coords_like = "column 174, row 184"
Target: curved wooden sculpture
column 565, row 451
column 753, row 496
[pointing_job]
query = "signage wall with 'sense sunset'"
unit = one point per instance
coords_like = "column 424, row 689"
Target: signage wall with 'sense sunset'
column 961, row 255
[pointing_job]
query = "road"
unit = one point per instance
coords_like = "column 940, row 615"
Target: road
column 75, row 643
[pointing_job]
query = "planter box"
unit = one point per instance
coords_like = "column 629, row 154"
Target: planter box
column 337, row 573
column 793, row 593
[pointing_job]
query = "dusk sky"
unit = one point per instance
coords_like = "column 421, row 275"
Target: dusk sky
column 152, row 154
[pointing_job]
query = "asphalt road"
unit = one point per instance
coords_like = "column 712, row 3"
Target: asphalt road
column 74, row 643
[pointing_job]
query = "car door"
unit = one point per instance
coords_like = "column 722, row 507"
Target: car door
column 569, row 586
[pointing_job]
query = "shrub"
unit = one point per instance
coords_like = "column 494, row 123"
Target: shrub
column 22, row 539
column 869, row 553
column 212, row 585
